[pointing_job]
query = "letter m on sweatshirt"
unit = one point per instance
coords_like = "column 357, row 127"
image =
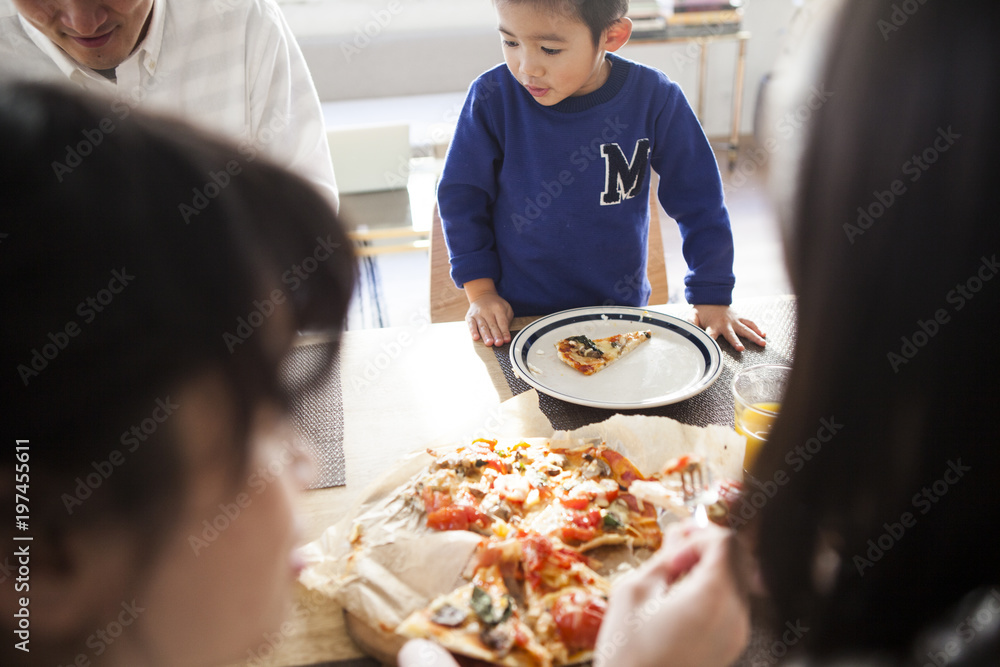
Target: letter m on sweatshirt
column 623, row 178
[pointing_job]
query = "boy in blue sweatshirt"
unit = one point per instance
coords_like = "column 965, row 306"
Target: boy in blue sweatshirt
column 544, row 197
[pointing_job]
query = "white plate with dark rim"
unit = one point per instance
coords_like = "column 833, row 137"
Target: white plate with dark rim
column 679, row 361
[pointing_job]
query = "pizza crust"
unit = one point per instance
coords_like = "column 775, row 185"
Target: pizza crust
column 465, row 631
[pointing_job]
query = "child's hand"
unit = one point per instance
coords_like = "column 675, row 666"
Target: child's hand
column 489, row 319
column 723, row 320
column 489, row 314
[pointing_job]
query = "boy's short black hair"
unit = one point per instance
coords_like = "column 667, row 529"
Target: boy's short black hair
column 599, row 15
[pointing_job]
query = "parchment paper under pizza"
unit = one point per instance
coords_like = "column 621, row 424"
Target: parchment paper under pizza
column 505, row 550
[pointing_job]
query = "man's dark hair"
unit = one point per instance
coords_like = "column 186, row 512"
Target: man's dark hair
column 598, row 15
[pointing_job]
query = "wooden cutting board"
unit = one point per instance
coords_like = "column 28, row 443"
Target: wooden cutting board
column 379, row 644
column 383, row 646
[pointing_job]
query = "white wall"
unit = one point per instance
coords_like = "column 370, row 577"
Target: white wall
column 384, row 48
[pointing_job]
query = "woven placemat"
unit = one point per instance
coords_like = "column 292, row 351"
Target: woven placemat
column 318, row 412
column 775, row 315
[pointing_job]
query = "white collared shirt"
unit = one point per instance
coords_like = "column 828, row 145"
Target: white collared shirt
column 231, row 66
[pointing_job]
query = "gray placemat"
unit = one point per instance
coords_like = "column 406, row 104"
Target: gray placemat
column 318, row 412
column 775, row 315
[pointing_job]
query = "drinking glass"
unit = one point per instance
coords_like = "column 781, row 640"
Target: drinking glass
column 757, row 394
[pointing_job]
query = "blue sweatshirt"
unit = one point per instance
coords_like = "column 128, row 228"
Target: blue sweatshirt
column 552, row 203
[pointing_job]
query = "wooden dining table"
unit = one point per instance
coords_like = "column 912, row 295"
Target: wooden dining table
column 404, row 388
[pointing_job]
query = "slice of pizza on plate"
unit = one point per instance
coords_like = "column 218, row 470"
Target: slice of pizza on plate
column 591, row 355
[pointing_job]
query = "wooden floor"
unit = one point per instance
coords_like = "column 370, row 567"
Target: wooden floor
column 759, row 264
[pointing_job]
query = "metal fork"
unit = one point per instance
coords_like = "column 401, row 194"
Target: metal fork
column 695, row 486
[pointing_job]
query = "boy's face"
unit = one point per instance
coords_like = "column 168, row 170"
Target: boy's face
column 552, row 55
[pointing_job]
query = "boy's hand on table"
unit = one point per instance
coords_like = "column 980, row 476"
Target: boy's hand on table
column 723, row 320
column 489, row 315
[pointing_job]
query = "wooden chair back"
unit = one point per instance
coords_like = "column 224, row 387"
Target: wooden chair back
column 448, row 303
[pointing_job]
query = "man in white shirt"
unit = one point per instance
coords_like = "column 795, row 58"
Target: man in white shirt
column 231, row 66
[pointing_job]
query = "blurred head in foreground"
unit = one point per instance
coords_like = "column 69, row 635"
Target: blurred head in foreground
column 149, row 292
column 884, row 463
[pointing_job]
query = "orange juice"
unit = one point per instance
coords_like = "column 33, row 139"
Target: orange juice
column 755, row 423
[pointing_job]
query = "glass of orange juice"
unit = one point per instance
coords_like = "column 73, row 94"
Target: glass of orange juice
column 757, row 394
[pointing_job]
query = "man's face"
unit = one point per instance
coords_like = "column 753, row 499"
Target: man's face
column 97, row 34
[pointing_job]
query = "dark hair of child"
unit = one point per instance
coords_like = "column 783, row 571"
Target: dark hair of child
column 598, row 15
